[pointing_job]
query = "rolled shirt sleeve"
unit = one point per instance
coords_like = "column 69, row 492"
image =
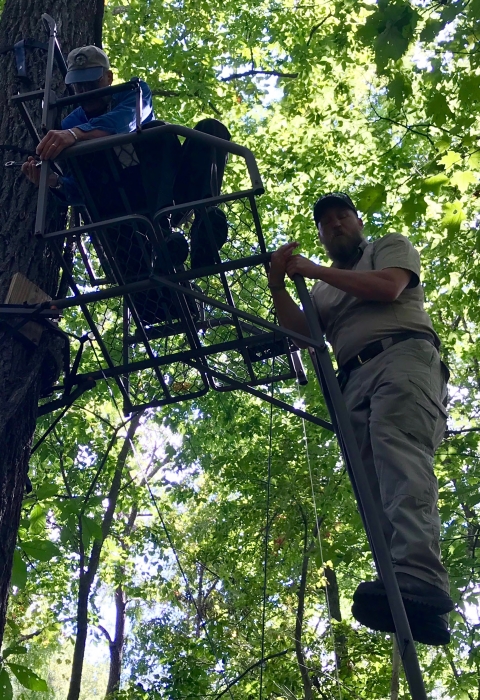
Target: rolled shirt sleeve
column 395, row 250
column 121, row 119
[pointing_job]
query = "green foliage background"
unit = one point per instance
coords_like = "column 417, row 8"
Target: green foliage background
column 376, row 98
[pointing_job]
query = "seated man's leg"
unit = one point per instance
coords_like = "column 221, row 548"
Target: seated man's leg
column 200, row 176
column 160, row 160
column 201, row 169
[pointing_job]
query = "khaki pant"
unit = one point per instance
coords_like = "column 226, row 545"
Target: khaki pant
column 395, row 405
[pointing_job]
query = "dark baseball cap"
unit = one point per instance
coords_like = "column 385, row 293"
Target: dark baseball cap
column 85, row 64
column 332, row 199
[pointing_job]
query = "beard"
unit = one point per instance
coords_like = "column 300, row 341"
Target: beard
column 343, row 248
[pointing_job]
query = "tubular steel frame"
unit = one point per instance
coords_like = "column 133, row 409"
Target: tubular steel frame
column 253, row 332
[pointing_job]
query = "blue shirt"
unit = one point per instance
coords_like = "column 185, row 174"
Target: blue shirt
column 119, row 119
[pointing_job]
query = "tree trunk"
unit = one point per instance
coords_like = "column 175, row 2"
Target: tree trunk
column 302, row 588
column 395, row 681
column 87, row 577
column 116, row 647
column 25, row 371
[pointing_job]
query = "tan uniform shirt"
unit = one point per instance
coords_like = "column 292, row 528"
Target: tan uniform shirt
column 350, row 324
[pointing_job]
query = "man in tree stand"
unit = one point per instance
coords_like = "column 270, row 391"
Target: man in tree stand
column 181, row 173
column 370, row 305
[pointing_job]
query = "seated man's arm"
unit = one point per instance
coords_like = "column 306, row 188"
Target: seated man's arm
column 57, row 140
column 121, row 119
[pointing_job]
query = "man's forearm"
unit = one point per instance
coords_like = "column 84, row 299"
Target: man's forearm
column 372, row 285
column 88, row 135
column 289, row 315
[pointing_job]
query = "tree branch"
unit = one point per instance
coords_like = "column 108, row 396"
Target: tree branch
column 316, row 27
column 105, row 633
column 250, row 668
column 277, row 73
column 464, row 430
column 407, row 127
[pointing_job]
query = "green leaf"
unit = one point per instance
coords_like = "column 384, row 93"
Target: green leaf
column 453, row 216
column 399, row 89
column 414, row 207
column 474, row 160
column 37, row 519
column 371, row 198
column 391, row 44
column 19, row 571
column 450, row 158
column 6, row 690
column 41, row 550
column 431, row 29
column 46, row 490
column 434, row 183
column 14, row 649
column 438, row 109
column 463, row 179
column 469, row 88
column 90, row 530
column 28, row 678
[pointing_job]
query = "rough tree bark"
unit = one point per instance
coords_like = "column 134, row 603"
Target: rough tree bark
column 24, row 372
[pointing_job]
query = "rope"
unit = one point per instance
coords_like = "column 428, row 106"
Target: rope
column 318, row 527
column 267, row 532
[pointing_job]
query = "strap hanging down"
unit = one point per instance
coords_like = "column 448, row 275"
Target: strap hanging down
column 19, row 51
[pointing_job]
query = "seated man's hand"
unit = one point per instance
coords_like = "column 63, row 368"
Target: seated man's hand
column 54, row 143
column 298, row 265
column 278, row 262
column 31, row 170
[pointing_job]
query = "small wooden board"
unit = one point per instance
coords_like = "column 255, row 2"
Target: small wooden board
column 22, row 291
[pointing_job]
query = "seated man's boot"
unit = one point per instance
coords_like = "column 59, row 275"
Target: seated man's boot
column 177, row 247
column 161, row 305
column 203, row 254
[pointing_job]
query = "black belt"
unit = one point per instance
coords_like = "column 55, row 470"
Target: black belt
column 374, row 349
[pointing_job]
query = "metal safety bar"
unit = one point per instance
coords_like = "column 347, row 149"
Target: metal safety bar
column 108, row 142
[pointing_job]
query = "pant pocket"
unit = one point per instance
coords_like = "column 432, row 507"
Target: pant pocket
column 427, row 423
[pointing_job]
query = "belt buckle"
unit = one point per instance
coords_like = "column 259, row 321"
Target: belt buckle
column 363, row 362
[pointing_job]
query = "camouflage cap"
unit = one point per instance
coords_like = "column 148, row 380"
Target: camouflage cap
column 86, row 63
column 329, row 200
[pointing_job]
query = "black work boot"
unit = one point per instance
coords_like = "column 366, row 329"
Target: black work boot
column 416, row 593
column 427, row 628
column 177, row 246
column 203, row 254
column 426, row 607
